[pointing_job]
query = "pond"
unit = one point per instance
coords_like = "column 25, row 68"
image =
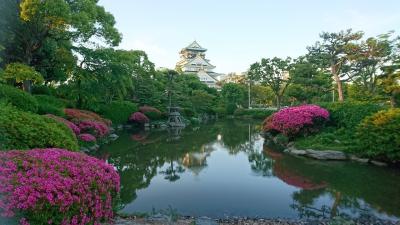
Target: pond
column 224, row 170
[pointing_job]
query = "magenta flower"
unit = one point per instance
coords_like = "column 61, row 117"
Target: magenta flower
column 98, row 128
column 293, row 120
column 64, row 187
column 87, row 137
column 139, row 117
column 71, row 125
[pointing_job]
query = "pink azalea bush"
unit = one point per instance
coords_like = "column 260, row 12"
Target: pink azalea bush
column 87, row 137
column 97, row 128
column 294, row 120
column 139, row 117
column 56, row 186
column 69, row 124
column 77, row 115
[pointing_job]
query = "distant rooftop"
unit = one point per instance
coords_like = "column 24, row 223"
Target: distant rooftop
column 195, row 46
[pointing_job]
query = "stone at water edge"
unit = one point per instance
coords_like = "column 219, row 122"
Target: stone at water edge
column 113, row 137
column 326, row 154
column 377, row 163
column 357, row 159
column 297, row 151
column 205, row 221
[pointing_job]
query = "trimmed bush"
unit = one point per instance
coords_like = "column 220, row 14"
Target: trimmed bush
column 77, row 115
column 296, row 120
column 50, row 105
column 55, row 186
column 350, row 114
column 139, row 117
column 24, row 130
column 74, row 128
column 18, row 98
column 254, row 113
column 118, row 111
column 151, row 112
column 379, row 135
column 96, row 128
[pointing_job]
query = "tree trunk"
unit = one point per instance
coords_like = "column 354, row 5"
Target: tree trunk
column 338, row 83
column 278, row 102
column 27, row 86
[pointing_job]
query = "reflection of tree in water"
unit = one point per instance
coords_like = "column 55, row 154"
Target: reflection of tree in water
column 260, row 163
column 238, row 136
column 172, row 171
column 349, row 189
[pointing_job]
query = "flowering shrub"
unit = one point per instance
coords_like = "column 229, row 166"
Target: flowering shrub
column 56, row 186
column 151, row 112
column 69, row 124
column 293, row 120
column 139, row 117
column 87, row 137
column 379, row 135
column 24, row 130
column 77, row 115
column 97, row 128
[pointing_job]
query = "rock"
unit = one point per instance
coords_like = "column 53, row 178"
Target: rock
column 326, row 155
column 83, row 149
column 113, row 137
column 159, row 217
column 357, row 159
column 290, row 144
column 120, row 127
column 294, row 151
column 94, row 147
column 205, row 221
column 127, row 126
column 378, row 163
column 112, row 130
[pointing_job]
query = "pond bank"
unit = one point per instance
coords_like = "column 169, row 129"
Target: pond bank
column 246, row 221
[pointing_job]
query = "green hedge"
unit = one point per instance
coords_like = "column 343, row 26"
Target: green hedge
column 254, row 113
column 379, row 135
column 350, row 114
column 18, row 98
column 118, row 111
column 24, row 130
column 50, row 105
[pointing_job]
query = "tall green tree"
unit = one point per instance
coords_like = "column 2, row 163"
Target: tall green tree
column 233, row 95
column 308, row 83
column 273, row 73
column 332, row 54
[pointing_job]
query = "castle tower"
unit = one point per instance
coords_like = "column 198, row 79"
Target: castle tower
column 193, row 60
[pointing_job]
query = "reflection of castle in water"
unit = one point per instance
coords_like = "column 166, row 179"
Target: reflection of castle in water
column 196, row 161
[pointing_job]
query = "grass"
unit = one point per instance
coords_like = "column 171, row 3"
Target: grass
column 330, row 138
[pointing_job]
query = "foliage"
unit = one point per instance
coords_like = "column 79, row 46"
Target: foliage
column 379, row 135
column 55, row 186
column 87, row 137
column 202, row 101
column 274, row 73
column 233, row 95
column 150, row 112
column 118, row 111
column 77, row 115
column 50, row 105
column 254, row 113
column 350, row 114
column 333, row 52
column 74, row 128
column 96, row 128
column 139, row 117
column 24, row 130
column 18, row 98
column 308, row 84
column 296, row 120
column 18, row 73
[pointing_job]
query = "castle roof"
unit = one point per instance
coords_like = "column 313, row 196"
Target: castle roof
column 194, row 46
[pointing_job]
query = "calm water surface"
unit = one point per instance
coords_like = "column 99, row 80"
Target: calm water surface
column 222, row 170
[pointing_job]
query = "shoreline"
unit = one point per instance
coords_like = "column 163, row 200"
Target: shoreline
column 162, row 219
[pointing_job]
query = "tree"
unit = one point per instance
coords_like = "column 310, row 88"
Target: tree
column 366, row 63
column 20, row 73
column 202, row 101
column 308, row 83
column 333, row 52
column 233, row 95
column 274, row 73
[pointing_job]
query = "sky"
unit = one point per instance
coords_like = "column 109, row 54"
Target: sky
column 238, row 33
